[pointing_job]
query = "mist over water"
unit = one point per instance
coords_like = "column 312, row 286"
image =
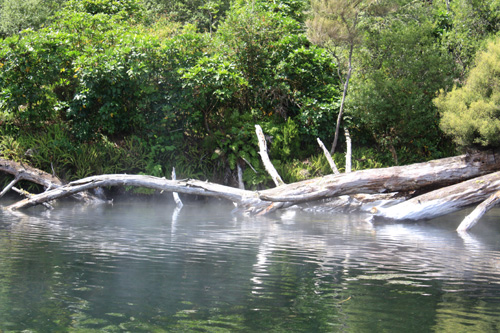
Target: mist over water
column 141, row 266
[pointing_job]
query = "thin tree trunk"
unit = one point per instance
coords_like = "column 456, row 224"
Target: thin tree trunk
column 344, row 94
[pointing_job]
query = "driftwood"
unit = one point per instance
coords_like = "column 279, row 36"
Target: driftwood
column 348, row 153
column 395, row 179
column 194, row 187
column 25, row 172
column 463, row 180
column 471, row 219
column 37, row 176
column 443, row 201
column 419, row 176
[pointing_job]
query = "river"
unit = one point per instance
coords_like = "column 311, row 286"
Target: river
column 138, row 266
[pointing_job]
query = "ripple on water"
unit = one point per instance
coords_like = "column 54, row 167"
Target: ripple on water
column 271, row 273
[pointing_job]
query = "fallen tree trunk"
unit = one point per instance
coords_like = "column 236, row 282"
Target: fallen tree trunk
column 194, row 187
column 419, row 176
column 474, row 217
column 37, row 176
column 443, row 201
column 24, row 172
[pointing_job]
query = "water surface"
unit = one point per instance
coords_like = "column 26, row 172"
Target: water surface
column 136, row 266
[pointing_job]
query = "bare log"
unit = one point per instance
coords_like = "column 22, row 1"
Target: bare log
column 395, row 179
column 29, row 195
column 194, row 187
column 265, row 158
column 328, row 157
column 443, row 201
column 37, row 176
column 474, row 217
column 419, row 176
column 25, row 172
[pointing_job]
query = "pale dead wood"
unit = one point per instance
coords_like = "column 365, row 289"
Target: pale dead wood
column 471, row 220
column 395, row 179
column 241, row 184
column 9, row 186
column 194, row 187
column 177, row 200
column 37, row 176
column 444, row 200
column 417, row 176
column 328, row 156
column 29, row 195
column 25, row 172
column 348, row 153
column 265, row 157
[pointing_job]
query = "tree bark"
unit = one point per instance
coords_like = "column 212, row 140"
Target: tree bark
column 194, row 187
column 474, row 217
column 37, row 176
column 416, row 177
column 444, row 200
column 419, row 176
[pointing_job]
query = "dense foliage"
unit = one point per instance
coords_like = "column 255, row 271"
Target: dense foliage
column 182, row 83
column 471, row 114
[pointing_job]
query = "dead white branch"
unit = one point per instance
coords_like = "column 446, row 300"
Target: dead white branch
column 177, row 200
column 265, row 157
column 348, row 154
column 328, row 157
column 9, row 186
column 474, row 217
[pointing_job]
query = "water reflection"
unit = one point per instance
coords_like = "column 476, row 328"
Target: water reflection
column 138, row 266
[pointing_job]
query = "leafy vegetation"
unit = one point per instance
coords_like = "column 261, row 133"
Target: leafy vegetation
column 182, row 83
column 471, row 114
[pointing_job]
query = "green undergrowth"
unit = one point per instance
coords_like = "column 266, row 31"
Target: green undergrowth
column 51, row 149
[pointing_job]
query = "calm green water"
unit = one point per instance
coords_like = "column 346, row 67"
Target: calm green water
column 133, row 266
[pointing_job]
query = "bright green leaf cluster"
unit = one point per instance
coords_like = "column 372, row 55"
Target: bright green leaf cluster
column 471, row 114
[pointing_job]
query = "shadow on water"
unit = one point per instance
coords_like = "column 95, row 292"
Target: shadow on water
column 136, row 266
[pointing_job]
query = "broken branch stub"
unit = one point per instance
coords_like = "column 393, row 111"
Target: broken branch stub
column 265, row 157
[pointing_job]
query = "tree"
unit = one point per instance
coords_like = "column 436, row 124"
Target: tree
column 205, row 14
column 335, row 23
column 471, row 114
column 402, row 65
column 471, row 22
column 17, row 15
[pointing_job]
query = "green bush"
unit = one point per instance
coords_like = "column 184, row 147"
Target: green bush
column 471, row 114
